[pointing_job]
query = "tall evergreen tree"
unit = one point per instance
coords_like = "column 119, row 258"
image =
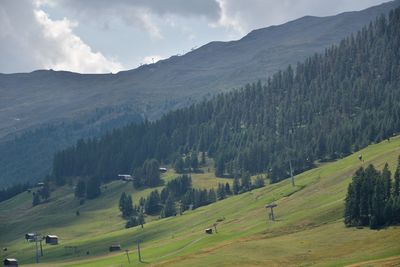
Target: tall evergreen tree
column 35, row 200
column 179, row 165
column 387, row 182
column 169, row 208
column 396, row 187
column 221, row 193
column 236, row 186
column 246, row 181
column 93, row 188
column 80, row 189
column 45, row 191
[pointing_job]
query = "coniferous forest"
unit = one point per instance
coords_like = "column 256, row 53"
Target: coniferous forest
column 373, row 198
column 324, row 108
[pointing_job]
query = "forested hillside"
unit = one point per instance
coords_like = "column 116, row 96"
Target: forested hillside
column 30, row 103
column 28, row 157
column 330, row 105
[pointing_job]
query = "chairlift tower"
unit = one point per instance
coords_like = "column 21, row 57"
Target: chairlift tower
column 291, row 172
column 271, row 215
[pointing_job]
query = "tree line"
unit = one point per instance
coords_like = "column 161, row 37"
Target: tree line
column 178, row 196
column 373, row 198
column 325, row 108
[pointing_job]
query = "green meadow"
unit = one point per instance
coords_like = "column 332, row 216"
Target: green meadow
column 308, row 230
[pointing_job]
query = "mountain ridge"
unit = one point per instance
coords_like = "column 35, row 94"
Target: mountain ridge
column 37, row 99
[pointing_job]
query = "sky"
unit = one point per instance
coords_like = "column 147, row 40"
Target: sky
column 102, row 36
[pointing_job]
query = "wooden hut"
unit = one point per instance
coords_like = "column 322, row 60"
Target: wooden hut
column 30, row 237
column 115, row 248
column 10, row 262
column 51, row 239
column 208, row 231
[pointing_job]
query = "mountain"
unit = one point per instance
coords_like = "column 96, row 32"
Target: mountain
column 331, row 105
column 43, row 99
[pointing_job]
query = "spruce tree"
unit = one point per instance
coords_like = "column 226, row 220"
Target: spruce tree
column 80, row 189
column 221, row 193
column 179, row 165
column 219, row 167
column 228, row 189
column 212, row 196
column 194, row 161
column 387, row 182
column 203, row 158
column 36, row 200
column 140, row 218
column 378, row 204
column 45, row 191
column 236, row 186
column 122, row 201
column 396, row 187
column 152, row 204
column 169, row 208
column 259, row 182
column 246, row 181
column 93, row 188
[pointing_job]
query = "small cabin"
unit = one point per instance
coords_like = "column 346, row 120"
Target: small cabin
column 115, row 248
column 10, row 262
column 30, row 237
column 125, row 177
column 40, row 184
column 208, row 231
column 51, row 239
column 162, row 169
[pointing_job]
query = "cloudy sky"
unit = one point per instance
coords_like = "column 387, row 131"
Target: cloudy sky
column 102, row 36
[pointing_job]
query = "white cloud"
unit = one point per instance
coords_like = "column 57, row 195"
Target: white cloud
column 30, row 40
column 70, row 52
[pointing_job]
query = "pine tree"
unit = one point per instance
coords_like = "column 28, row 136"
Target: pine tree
column 212, row 196
column 378, row 205
column 80, row 189
column 179, row 165
column 93, row 188
column 151, row 169
column 228, row 189
column 396, row 187
column 132, row 222
column 138, row 177
column 194, row 161
column 203, row 158
column 152, row 204
column 246, row 181
column 169, row 208
column 220, row 167
column 350, row 217
column 36, row 200
column 236, row 186
column 387, row 182
column 45, row 191
column 122, row 202
column 140, row 218
column 128, row 207
column 221, row 194
column 259, row 182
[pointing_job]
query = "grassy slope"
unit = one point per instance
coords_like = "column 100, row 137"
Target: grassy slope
column 99, row 216
column 309, row 229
